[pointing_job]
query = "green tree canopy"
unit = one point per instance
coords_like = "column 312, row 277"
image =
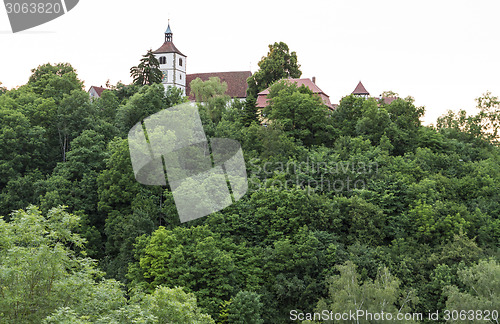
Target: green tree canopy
column 44, row 279
column 278, row 64
column 299, row 112
column 53, row 81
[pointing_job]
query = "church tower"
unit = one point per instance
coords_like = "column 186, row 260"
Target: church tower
column 172, row 63
column 360, row 91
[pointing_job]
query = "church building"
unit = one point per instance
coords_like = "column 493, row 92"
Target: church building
column 172, row 63
column 173, row 67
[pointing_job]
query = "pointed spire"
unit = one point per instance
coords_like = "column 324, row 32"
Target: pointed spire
column 360, row 90
column 168, row 46
column 168, row 33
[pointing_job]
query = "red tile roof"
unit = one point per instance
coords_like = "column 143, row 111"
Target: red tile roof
column 262, row 100
column 388, row 100
column 262, row 97
column 236, row 82
column 168, row 47
column 98, row 90
column 360, row 90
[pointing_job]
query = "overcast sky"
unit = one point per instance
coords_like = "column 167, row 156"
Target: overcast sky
column 443, row 53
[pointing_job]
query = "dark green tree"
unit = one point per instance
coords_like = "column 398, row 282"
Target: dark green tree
column 245, row 307
column 22, row 146
column 148, row 101
column 299, row 113
column 53, row 81
column 148, row 70
column 74, row 115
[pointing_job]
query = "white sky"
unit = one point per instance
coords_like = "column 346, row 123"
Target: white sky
column 443, row 53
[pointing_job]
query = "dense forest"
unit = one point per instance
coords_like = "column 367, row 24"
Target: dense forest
column 357, row 208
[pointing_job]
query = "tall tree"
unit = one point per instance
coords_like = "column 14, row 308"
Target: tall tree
column 54, row 81
column 148, row 70
column 21, row 145
column 278, row 64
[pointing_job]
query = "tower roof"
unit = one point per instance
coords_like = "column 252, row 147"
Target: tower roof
column 360, row 90
column 168, row 47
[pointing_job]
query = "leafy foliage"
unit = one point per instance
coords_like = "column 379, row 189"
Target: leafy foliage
column 406, row 214
column 299, row 113
column 278, row 64
column 482, row 289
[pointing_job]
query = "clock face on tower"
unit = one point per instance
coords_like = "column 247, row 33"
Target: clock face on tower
column 164, row 78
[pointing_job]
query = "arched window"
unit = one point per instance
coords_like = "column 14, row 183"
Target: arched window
column 180, row 62
column 163, row 60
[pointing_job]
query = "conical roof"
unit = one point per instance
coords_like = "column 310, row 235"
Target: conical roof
column 360, row 90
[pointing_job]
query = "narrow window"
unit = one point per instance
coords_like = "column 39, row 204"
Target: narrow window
column 180, row 62
column 163, row 60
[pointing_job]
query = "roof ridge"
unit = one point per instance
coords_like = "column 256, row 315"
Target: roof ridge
column 168, row 47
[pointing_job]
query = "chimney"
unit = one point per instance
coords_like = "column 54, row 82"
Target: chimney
column 314, row 80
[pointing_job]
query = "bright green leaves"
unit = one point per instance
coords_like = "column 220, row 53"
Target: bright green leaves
column 42, row 280
column 194, row 258
column 482, row 289
column 346, row 292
